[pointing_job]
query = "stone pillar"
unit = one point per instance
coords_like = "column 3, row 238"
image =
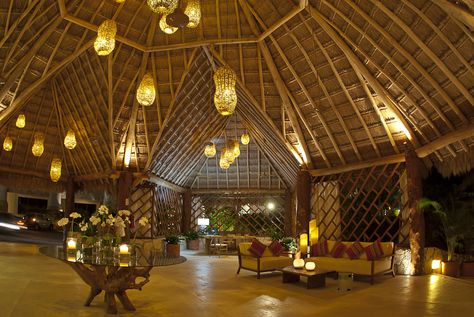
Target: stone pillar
column 54, row 201
column 3, row 199
column 186, row 216
column 124, row 189
column 303, row 201
column 416, row 219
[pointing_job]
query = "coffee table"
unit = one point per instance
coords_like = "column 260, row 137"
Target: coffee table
column 316, row 278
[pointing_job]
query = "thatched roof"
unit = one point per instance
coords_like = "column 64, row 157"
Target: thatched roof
column 330, row 84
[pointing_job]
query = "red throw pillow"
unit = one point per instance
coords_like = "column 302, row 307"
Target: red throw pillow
column 374, row 251
column 257, row 248
column 355, row 250
column 276, row 248
column 320, row 248
column 338, row 250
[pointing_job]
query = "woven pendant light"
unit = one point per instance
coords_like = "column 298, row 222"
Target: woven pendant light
column 236, row 149
column 225, row 97
column 38, row 146
column 163, row 6
column 228, row 153
column 70, row 140
column 120, row 1
column 8, row 144
column 105, row 41
column 210, row 150
column 21, row 121
column 146, row 92
column 165, row 27
column 245, row 139
column 193, row 11
column 223, row 163
column 55, row 171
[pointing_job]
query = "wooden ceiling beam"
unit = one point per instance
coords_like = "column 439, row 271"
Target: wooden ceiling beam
column 238, row 191
column 32, row 4
column 457, row 12
column 300, row 7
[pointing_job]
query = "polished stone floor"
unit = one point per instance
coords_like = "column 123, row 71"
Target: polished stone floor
column 34, row 285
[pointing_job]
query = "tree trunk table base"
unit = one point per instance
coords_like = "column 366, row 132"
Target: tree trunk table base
column 114, row 281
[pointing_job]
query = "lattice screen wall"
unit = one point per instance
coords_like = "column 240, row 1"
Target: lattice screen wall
column 361, row 205
column 161, row 205
column 245, row 214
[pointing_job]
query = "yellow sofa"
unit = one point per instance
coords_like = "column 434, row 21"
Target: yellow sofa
column 360, row 266
column 266, row 263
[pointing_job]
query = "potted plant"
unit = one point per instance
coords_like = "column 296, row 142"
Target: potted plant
column 288, row 243
column 192, row 240
column 172, row 245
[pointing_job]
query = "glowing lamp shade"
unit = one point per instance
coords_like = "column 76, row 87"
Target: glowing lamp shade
column 435, row 264
column 310, row 266
column 38, row 146
column 298, row 263
column 228, row 153
column 193, row 11
column 210, row 150
column 70, row 140
column 236, row 149
column 8, row 144
column 225, row 97
column 223, row 163
column 304, row 243
column 55, row 171
column 163, row 6
column 21, row 121
column 313, row 232
column 203, row 221
column 71, row 243
column 146, row 92
column 124, row 249
column 271, row 205
column 105, row 41
column 120, row 1
column 245, row 139
column 165, row 27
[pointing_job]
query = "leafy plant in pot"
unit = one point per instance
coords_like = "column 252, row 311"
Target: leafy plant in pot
column 192, row 240
column 172, row 246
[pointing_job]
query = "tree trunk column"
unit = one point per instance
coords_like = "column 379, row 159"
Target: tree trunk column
column 303, row 201
column 416, row 220
column 187, row 206
column 124, row 189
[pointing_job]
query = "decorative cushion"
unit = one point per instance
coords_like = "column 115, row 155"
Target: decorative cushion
column 338, row 250
column 257, row 248
column 276, row 248
column 355, row 250
column 320, row 248
column 374, row 251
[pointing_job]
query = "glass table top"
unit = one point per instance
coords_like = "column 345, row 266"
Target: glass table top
column 111, row 257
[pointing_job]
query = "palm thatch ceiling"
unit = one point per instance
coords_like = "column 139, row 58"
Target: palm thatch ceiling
column 330, row 85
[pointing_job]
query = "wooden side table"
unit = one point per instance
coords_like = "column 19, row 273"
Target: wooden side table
column 316, row 278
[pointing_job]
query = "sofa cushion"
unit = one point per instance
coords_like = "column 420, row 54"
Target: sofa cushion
column 320, row 248
column 266, row 263
column 358, row 266
column 257, row 248
column 355, row 250
column 276, row 247
column 338, row 250
column 374, row 251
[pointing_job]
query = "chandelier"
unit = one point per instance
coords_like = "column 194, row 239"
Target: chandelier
column 70, row 140
column 55, row 171
column 8, row 144
column 210, row 150
column 105, row 42
column 245, row 139
column 38, row 145
column 21, row 121
column 146, row 91
column 163, row 6
column 193, row 11
column 165, row 27
column 225, row 97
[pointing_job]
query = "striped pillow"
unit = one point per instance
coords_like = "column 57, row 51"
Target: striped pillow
column 320, row 248
column 257, row 248
column 338, row 250
column 374, row 251
column 355, row 250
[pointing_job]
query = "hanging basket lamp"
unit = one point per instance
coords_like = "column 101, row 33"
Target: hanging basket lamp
column 193, row 11
column 245, row 139
column 105, row 41
column 225, row 97
column 146, row 92
column 228, row 153
column 210, row 150
column 21, row 121
column 163, row 6
column 236, row 149
column 8, row 144
column 55, row 171
column 165, row 27
column 70, row 140
column 223, row 163
column 38, row 146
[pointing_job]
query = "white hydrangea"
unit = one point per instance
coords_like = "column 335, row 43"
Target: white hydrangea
column 63, row 221
column 110, row 221
column 143, row 221
column 84, row 226
column 75, row 215
column 124, row 212
column 94, row 220
column 103, row 210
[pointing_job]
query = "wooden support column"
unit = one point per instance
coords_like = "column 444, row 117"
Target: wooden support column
column 416, row 219
column 288, row 215
column 124, row 188
column 186, row 216
column 303, row 201
column 70, row 196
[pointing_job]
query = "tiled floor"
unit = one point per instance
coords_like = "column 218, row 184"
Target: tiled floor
column 34, row 285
